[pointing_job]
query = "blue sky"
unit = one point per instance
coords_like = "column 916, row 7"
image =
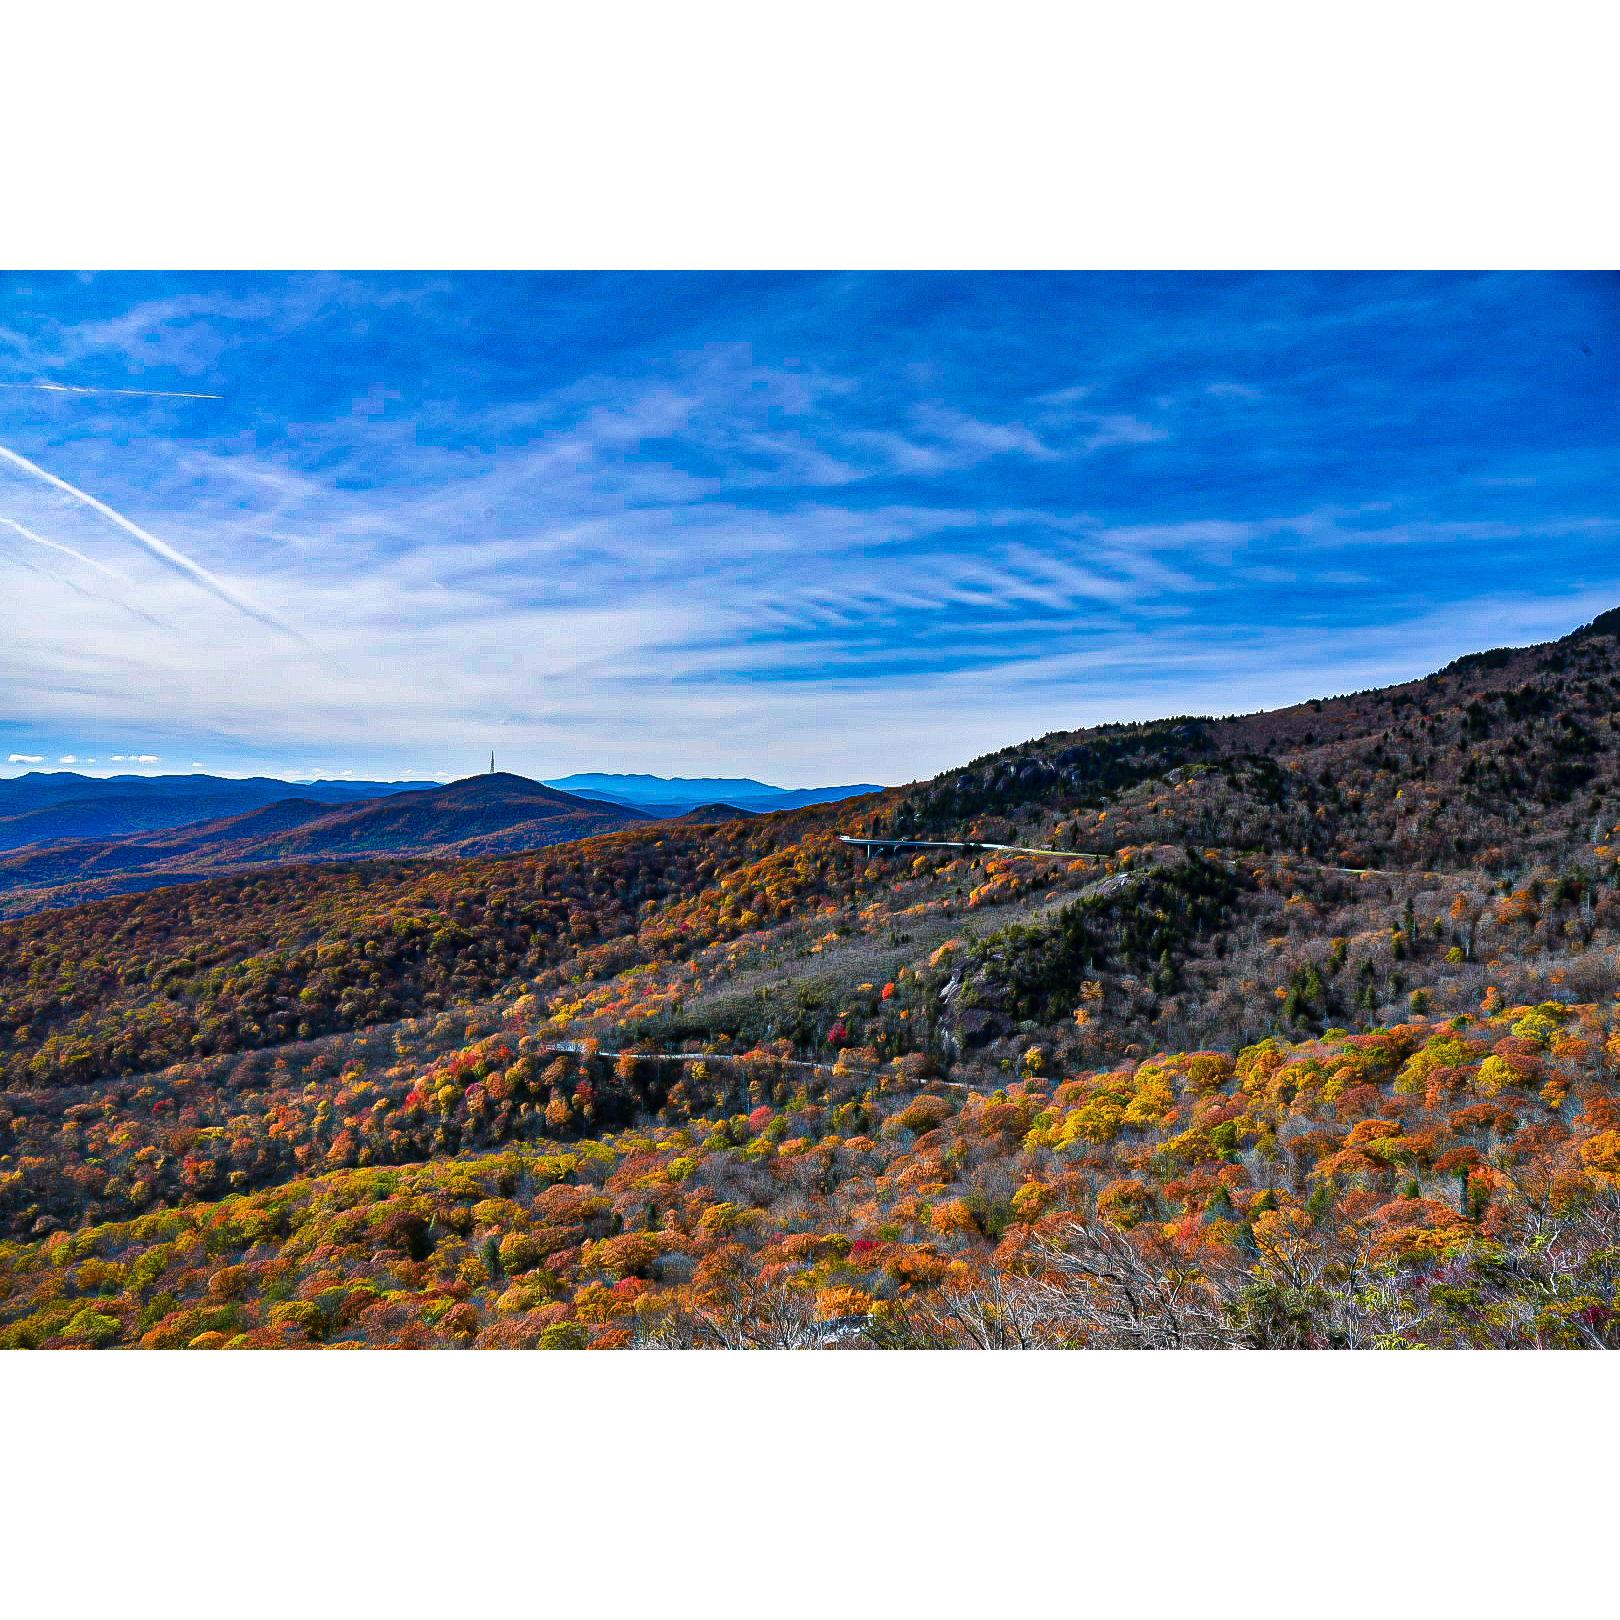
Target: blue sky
column 807, row 528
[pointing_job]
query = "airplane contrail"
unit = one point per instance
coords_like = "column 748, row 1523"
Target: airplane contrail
column 71, row 551
column 160, row 549
column 132, row 393
column 74, row 586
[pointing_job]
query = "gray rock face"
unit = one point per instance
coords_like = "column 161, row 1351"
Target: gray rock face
column 977, row 1025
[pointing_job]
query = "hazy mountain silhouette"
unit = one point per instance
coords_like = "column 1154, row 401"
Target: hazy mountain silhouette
column 47, row 805
column 676, row 795
column 493, row 814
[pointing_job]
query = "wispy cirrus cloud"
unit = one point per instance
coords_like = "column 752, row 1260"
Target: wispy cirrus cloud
column 854, row 526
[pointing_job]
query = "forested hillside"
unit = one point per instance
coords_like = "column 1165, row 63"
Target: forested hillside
column 1303, row 1035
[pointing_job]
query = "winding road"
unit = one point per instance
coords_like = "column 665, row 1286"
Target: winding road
column 945, row 843
column 870, row 844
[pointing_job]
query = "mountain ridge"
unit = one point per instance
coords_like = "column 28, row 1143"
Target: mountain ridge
column 677, row 795
column 1319, row 1014
column 489, row 814
column 39, row 807
column 45, row 806
column 1452, row 783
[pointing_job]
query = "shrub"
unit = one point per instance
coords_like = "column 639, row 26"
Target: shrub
column 565, row 1336
column 92, row 1330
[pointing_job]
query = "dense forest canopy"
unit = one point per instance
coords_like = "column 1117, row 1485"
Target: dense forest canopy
column 1304, row 1033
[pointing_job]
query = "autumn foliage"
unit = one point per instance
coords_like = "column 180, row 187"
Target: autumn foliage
column 1303, row 1033
column 1378, row 1189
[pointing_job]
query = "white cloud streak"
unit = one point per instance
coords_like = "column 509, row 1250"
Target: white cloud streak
column 127, row 393
column 120, row 601
column 160, row 549
column 66, row 550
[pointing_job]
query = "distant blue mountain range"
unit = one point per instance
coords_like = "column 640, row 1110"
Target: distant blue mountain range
column 46, row 806
column 675, row 795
